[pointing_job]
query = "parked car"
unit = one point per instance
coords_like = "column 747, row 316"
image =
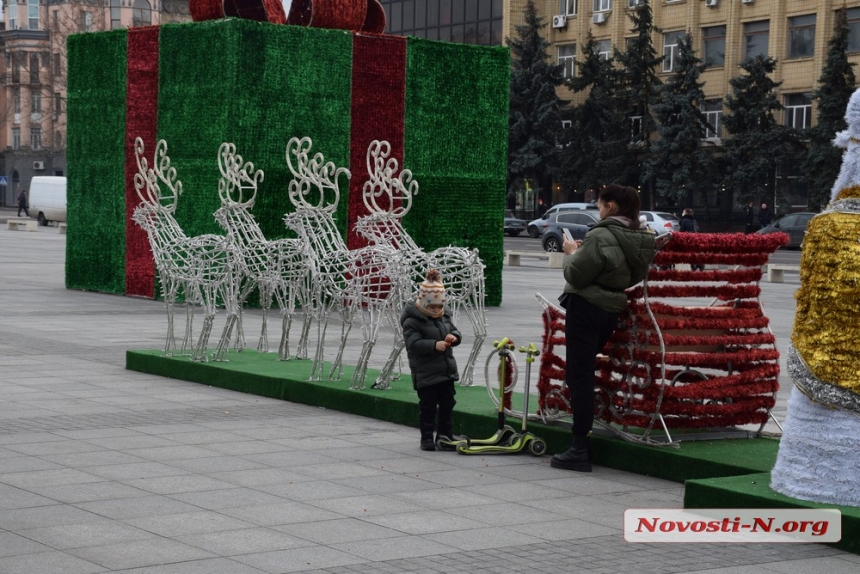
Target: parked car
column 794, row 224
column 661, row 222
column 536, row 227
column 513, row 226
column 577, row 222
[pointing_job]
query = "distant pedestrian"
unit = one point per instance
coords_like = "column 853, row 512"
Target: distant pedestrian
column 765, row 215
column 749, row 214
column 22, row 203
column 690, row 225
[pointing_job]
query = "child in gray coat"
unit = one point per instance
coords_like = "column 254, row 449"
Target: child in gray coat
column 430, row 334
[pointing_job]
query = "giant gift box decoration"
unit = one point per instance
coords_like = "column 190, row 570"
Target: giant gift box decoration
column 443, row 107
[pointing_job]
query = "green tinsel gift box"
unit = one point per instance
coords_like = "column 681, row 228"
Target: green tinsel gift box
column 442, row 106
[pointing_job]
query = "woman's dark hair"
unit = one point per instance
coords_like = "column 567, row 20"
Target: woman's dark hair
column 627, row 200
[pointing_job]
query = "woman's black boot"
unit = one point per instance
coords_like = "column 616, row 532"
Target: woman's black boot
column 575, row 458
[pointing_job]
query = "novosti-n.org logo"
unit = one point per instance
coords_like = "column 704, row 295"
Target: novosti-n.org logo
column 744, row 525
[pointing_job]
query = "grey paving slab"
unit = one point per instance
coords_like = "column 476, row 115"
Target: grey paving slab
column 138, row 553
column 107, row 470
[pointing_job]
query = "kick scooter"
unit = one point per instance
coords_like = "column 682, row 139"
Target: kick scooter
column 505, row 442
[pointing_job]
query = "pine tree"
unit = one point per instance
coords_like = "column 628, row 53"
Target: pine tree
column 836, row 85
column 641, row 83
column 679, row 165
column 757, row 144
column 533, row 120
column 595, row 146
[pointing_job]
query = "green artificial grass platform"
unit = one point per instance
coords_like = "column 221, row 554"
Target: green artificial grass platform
column 753, row 491
column 475, row 415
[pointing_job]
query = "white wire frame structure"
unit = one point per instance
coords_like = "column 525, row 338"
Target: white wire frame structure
column 388, row 196
column 370, row 280
column 203, row 267
column 278, row 268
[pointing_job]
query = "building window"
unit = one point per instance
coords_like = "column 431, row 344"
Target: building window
column 635, row 129
column 853, row 15
column 713, row 110
column 16, row 138
column 85, row 24
column 35, row 103
column 567, row 7
column 671, row 42
column 13, row 16
column 34, row 68
column 115, row 15
column 16, row 100
column 33, row 14
column 602, row 6
column 714, row 46
column 633, row 3
column 58, row 103
column 798, row 111
column 756, row 37
column 801, row 36
column 469, row 21
column 36, row 138
column 603, row 48
column 58, row 70
column 567, row 59
column 141, row 14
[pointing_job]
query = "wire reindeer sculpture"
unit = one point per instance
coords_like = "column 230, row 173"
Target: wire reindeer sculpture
column 369, row 280
column 388, row 196
column 278, row 268
column 204, row 266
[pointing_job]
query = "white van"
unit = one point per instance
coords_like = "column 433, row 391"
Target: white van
column 47, row 197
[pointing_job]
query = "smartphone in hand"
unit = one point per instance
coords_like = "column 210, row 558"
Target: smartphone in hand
column 567, row 234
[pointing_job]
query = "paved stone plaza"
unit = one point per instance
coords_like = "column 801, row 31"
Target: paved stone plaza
column 108, row 470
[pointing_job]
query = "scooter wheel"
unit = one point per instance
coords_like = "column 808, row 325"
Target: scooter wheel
column 537, row 447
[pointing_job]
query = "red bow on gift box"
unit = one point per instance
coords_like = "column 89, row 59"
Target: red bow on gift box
column 364, row 15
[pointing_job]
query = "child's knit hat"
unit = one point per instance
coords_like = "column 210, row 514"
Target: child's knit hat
column 431, row 292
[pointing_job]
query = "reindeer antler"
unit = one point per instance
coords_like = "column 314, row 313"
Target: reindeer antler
column 312, row 173
column 399, row 189
column 147, row 178
column 236, row 174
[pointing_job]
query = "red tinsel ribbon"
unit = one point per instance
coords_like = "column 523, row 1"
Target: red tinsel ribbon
column 141, row 121
column 378, row 108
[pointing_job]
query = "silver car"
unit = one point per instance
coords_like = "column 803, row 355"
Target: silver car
column 661, row 222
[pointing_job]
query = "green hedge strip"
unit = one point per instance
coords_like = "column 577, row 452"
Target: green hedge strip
column 95, row 246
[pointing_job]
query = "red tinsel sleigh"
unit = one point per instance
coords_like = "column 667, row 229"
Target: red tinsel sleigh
column 676, row 364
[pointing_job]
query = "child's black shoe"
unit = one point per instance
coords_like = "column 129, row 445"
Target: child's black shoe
column 427, row 443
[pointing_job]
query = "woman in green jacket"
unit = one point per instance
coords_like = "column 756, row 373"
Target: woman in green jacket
column 614, row 256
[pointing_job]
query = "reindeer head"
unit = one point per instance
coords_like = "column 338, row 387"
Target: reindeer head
column 315, row 181
column 238, row 184
column 146, row 179
column 397, row 190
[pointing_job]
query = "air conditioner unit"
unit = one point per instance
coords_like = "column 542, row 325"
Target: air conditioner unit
column 38, row 165
column 559, row 21
column 712, row 3
column 747, row 1
column 599, row 18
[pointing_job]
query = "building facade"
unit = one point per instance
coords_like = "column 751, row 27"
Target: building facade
column 33, row 76
column 724, row 33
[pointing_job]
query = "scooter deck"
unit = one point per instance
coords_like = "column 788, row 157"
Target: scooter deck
column 502, row 436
